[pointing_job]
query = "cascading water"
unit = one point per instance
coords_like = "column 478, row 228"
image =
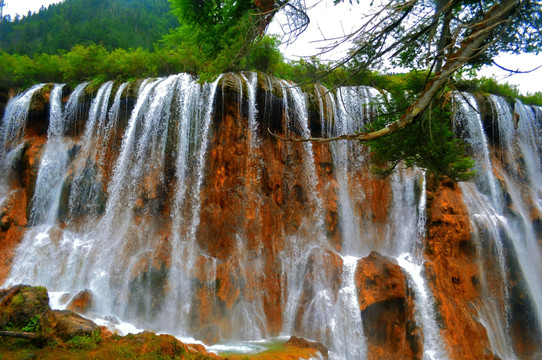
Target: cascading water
column 349, row 109
column 85, row 194
column 308, row 251
column 483, row 200
column 500, row 215
column 53, row 165
column 73, row 109
column 14, row 120
column 12, row 130
column 119, row 209
column 194, row 107
column 354, row 108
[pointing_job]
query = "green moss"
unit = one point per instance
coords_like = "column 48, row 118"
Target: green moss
column 17, row 300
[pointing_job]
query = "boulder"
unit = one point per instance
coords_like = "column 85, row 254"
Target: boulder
column 21, row 304
column 66, row 324
column 302, row 343
column 387, row 310
column 82, row 302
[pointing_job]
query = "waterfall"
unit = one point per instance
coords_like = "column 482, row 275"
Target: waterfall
column 523, row 235
column 348, row 341
column 12, row 129
column 87, row 182
column 45, row 202
column 120, row 207
column 433, row 348
column 251, row 82
column 53, row 165
column 530, row 144
column 503, row 230
column 90, row 259
column 14, row 120
column 405, row 244
column 349, row 117
column 297, row 120
column 195, row 106
column 73, row 109
column 468, row 115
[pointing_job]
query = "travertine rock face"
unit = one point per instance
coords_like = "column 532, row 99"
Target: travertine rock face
column 453, row 273
column 14, row 213
column 387, row 309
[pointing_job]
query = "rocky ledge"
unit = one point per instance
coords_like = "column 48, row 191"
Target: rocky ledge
column 30, row 329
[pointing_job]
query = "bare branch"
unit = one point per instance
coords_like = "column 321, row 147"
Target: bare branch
column 471, row 47
column 517, row 71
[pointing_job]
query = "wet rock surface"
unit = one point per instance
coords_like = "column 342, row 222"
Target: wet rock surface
column 82, row 302
column 453, row 273
column 387, row 309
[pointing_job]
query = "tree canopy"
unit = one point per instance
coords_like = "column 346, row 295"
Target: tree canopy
column 440, row 37
column 224, row 35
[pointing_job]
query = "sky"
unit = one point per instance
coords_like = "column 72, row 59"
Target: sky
column 329, row 21
column 21, row 7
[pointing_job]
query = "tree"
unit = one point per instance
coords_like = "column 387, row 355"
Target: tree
column 213, row 34
column 218, row 35
column 441, row 37
column 472, row 33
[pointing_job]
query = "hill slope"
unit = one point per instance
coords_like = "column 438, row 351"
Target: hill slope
column 113, row 23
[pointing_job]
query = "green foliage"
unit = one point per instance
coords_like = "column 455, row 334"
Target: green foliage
column 92, row 62
column 488, row 86
column 264, row 56
column 491, row 86
column 312, row 70
column 532, row 99
column 214, row 35
column 83, row 62
column 124, row 352
column 428, row 142
column 32, row 325
column 85, row 342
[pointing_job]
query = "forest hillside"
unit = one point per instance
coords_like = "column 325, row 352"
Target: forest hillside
column 115, row 24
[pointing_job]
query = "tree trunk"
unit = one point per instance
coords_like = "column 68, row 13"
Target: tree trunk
column 21, row 335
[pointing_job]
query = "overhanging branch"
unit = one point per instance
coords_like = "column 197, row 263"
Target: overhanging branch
column 470, row 47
